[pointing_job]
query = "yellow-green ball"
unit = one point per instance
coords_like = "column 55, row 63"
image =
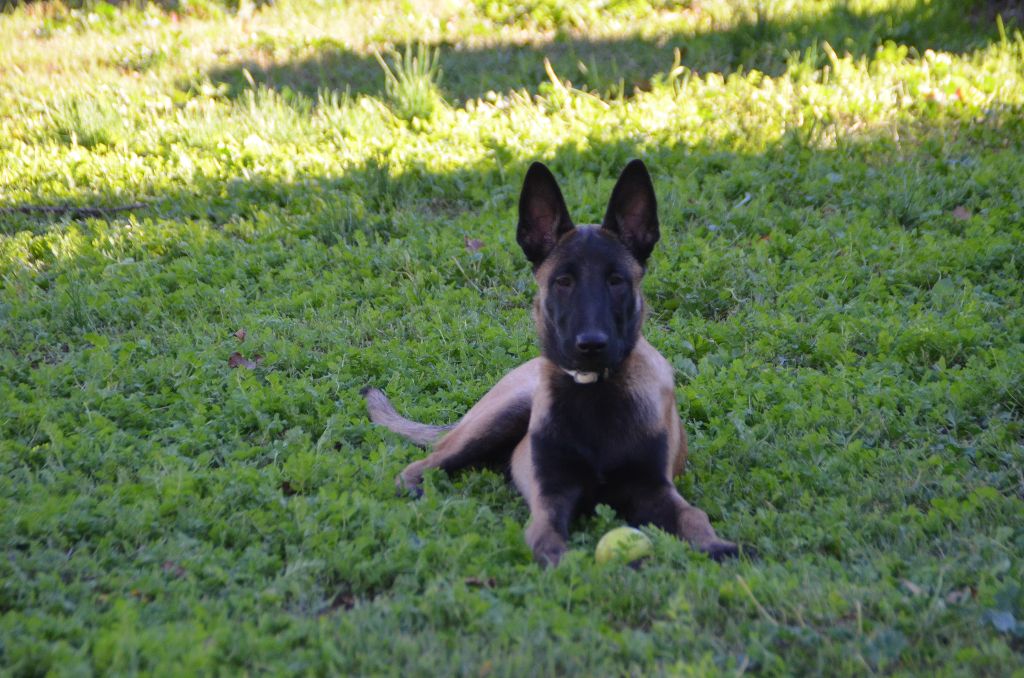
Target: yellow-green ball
column 623, row 545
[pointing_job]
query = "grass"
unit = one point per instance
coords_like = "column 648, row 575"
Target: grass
column 411, row 87
column 839, row 286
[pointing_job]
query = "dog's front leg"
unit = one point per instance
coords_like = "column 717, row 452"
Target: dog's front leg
column 550, row 514
column 693, row 525
column 661, row 505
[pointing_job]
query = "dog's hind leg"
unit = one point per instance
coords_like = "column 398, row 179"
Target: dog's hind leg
column 487, row 434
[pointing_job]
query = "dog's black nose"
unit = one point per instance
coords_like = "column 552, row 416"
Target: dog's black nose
column 591, row 342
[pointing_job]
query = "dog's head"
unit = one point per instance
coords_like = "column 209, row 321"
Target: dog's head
column 588, row 308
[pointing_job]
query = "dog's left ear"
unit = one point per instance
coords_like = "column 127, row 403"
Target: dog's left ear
column 633, row 211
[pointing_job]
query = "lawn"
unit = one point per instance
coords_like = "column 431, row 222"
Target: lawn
column 218, row 222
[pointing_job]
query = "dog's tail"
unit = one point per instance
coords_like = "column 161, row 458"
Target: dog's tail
column 384, row 414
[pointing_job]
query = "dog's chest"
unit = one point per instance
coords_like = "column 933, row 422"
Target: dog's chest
column 601, row 430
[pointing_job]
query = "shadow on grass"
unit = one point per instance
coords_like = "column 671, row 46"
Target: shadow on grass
column 322, row 206
column 618, row 67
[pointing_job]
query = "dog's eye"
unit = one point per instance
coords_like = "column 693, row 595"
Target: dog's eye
column 564, row 281
column 615, row 280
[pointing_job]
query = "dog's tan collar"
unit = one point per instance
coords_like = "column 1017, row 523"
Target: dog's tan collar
column 581, row 377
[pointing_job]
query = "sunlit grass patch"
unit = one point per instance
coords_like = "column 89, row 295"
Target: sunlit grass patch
column 88, row 121
column 411, row 82
column 139, row 57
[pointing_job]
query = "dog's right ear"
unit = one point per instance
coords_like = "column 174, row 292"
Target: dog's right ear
column 543, row 217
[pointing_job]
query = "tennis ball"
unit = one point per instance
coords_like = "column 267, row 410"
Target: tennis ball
column 623, row 545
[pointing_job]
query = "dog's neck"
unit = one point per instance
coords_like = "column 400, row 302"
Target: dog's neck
column 581, row 377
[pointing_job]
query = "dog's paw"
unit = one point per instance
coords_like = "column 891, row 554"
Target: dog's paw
column 407, row 487
column 720, row 551
column 548, row 551
column 409, row 492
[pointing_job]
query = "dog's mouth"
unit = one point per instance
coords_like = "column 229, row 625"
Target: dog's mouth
column 590, row 366
column 591, row 363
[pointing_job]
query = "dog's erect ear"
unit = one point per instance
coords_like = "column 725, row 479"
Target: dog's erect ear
column 543, row 217
column 633, row 211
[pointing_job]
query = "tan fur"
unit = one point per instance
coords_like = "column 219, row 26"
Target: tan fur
column 383, row 413
column 541, row 536
column 517, row 386
column 650, row 373
column 694, row 525
column 682, row 450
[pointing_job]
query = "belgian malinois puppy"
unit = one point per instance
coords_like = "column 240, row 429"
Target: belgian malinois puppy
column 593, row 420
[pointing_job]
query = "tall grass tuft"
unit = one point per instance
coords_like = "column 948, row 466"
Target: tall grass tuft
column 277, row 116
column 89, row 121
column 412, row 82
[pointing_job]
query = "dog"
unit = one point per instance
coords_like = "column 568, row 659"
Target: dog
column 593, row 419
